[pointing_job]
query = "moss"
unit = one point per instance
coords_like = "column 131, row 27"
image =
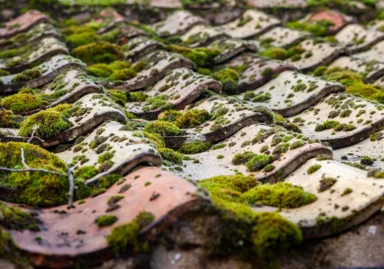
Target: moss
column 326, row 183
column 22, row 102
column 194, row 147
column 126, row 236
column 376, row 136
column 36, row 188
column 14, row 218
column 99, row 52
column 123, row 74
column 297, row 144
column 105, row 220
column 242, row 228
column 81, row 39
column 274, row 53
column 9, row 120
column 257, row 162
column 200, row 56
column 136, row 97
column 170, row 115
column 366, row 160
column 266, row 72
column 192, row 118
column 354, row 84
column 120, row 97
column 347, row 191
column 269, row 168
column 313, row 168
column 105, row 157
column 99, row 70
column 299, row 87
column 86, row 172
column 242, row 158
column 158, row 102
column 281, row 195
column 171, row 155
column 273, row 233
column 27, row 75
column 4, row 72
column 318, row 28
column 328, row 124
column 163, row 128
column 50, row 124
column 229, row 78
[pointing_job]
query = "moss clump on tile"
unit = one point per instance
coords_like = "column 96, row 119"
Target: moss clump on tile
column 105, row 220
column 4, row 73
column 171, row 155
column 194, row 147
column 99, row 52
column 192, row 118
column 326, row 183
column 10, row 120
column 105, row 157
column 269, row 168
column 244, row 230
column 99, row 70
column 281, row 195
column 274, row 53
column 36, row 188
column 313, row 168
column 27, row 75
column 158, row 102
column 318, row 28
column 366, row 160
column 22, row 102
column 50, row 124
column 229, row 78
column 347, row 191
column 14, row 218
column 86, row 172
column 170, row 115
column 297, row 144
column 81, row 39
column 242, row 158
column 120, row 97
column 281, row 53
column 123, row 74
column 163, row 128
column 136, row 97
column 272, row 233
column 354, row 83
column 126, row 236
column 200, row 56
column 258, row 162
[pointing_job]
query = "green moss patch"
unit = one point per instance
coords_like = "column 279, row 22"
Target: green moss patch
column 9, row 120
column 27, row 75
column 36, row 188
column 126, row 236
column 281, row 195
column 260, row 234
column 50, row 123
column 313, row 168
column 163, row 128
column 105, row 220
column 229, row 78
column 22, row 102
column 194, row 147
column 14, row 218
column 192, row 118
column 99, row 52
column 200, row 56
